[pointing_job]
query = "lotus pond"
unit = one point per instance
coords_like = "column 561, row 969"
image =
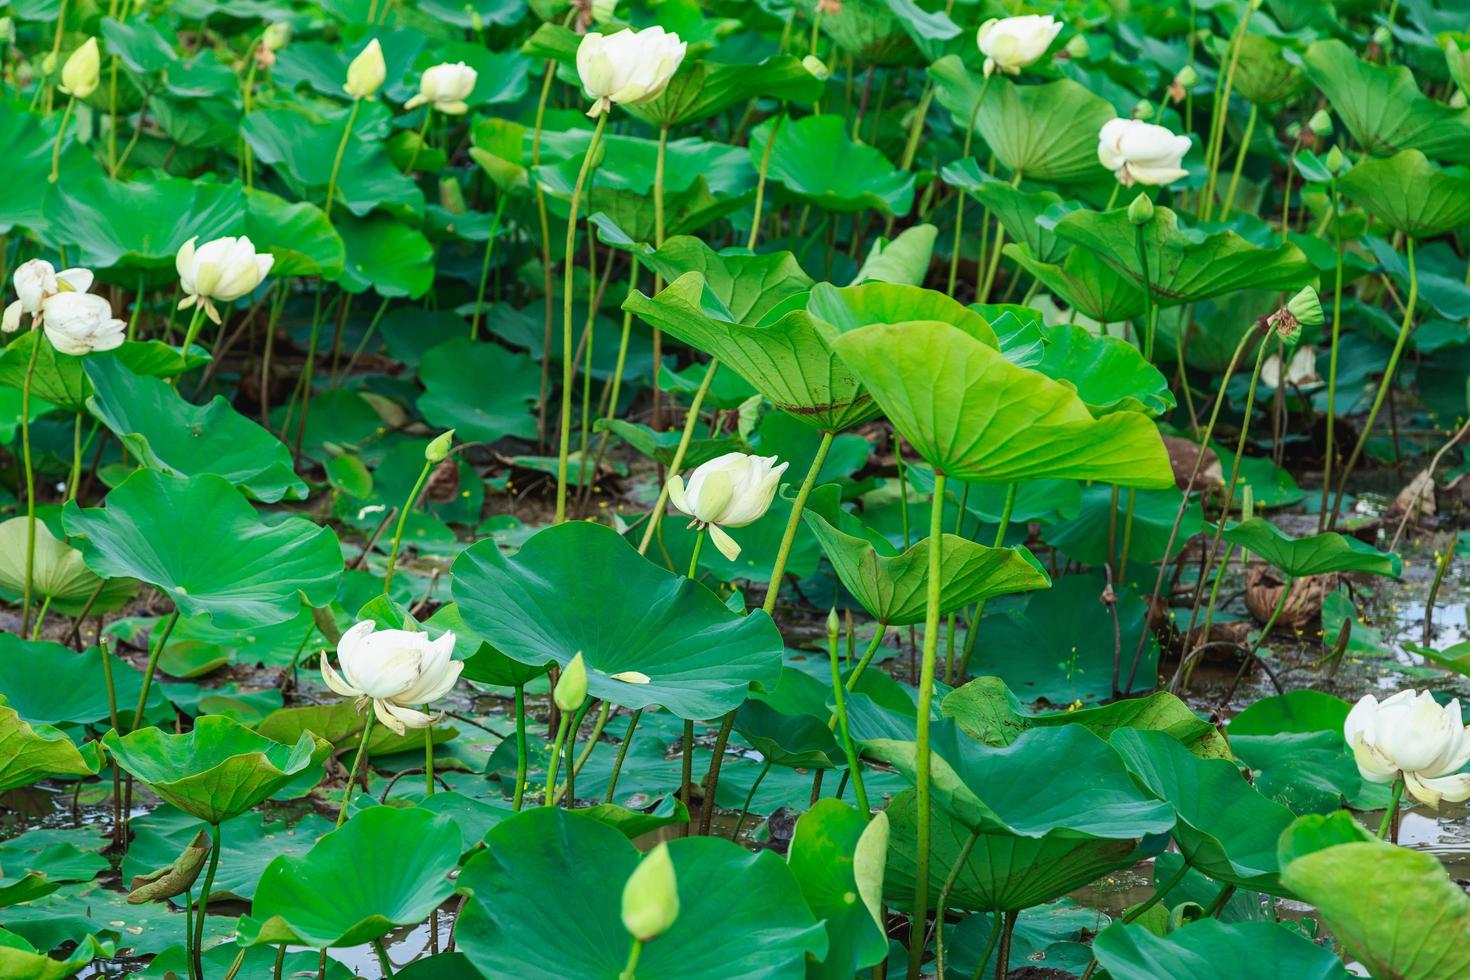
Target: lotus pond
column 805, row 488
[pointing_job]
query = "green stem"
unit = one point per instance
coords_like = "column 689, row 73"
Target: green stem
column 357, row 763
column 862, row 664
column 521, row 755
column 854, row 763
column 419, row 145
column 75, row 477
column 972, row 631
column 60, row 134
column 961, row 200
column 1245, row 144
column 1332, row 360
column 760, row 184
column 949, row 880
column 568, row 361
column 1158, row 896
column 555, row 763
column 428, row 760
column 384, row 963
column 1217, row 121
column 699, row 537
column 37, row 339
column 690, row 420
column 408, row 505
column 337, row 160
column 152, row 666
column 1150, row 308
column 749, row 799
column 485, row 267
column 1393, row 808
column 918, row 926
column 203, row 907
column 632, row 964
column 995, row 930
column 196, row 321
column 612, row 780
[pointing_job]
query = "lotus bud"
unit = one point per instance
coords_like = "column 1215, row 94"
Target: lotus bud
column 1320, row 123
column 1078, row 48
column 80, row 323
column 48, row 64
column 651, row 896
column 1382, row 36
column 82, row 71
column 367, row 72
column 10, row 321
column 438, row 450
column 629, row 67
column 1141, row 153
column 1141, row 210
column 603, row 10
column 1011, row 43
column 276, row 36
column 1187, row 77
column 445, row 88
column 834, row 625
column 571, row 686
column 1335, row 161
column 451, row 196
column 815, row 67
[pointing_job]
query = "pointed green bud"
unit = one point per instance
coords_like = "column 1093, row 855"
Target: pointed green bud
column 1306, row 307
column 1321, row 123
column 1335, row 161
column 816, row 67
column 571, row 686
column 1141, row 211
column 1187, row 77
column 1382, row 36
column 1078, row 47
column 834, row 625
column 1143, row 110
column 438, row 450
column 651, row 896
column 451, row 196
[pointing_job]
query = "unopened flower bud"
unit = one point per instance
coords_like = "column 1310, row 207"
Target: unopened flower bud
column 438, row 450
column 816, row 67
column 1187, row 77
column 82, row 71
column 276, row 36
column 367, row 72
column 1141, row 210
column 1078, row 48
column 1335, row 161
column 1143, row 110
column 834, row 625
column 1382, row 36
column 651, row 896
column 571, row 686
column 1321, row 123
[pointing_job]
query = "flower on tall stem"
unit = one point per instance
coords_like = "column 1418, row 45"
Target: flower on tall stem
column 82, row 72
column 1412, row 737
column 36, row 281
column 223, row 269
column 1011, row 43
column 1141, row 153
column 732, row 490
column 444, row 88
column 395, row 670
column 628, row 67
column 367, row 72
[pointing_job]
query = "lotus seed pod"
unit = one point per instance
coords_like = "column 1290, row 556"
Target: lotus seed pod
column 1187, row 77
column 1143, row 110
column 571, row 686
column 1306, row 307
column 1141, row 211
column 651, row 896
column 438, row 450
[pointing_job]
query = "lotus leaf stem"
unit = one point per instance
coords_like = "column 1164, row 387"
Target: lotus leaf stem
column 760, row 183
column 38, row 338
column 60, row 135
column 1445, row 558
column 408, row 505
column 384, row 964
column 148, row 671
column 1134, row 913
column 485, row 266
column 995, row 930
column 961, row 200
column 337, row 160
column 972, row 631
column 943, row 902
column 357, row 762
column 1220, row 900
column 189, row 959
column 661, row 505
column 203, row 907
column 854, row 762
column 749, row 798
column 1392, row 810
column 867, row 658
column 612, row 780
column 1245, row 145
column 555, row 764
column 632, row 963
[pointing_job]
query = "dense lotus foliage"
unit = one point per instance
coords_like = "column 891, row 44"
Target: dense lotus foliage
column 655, row 489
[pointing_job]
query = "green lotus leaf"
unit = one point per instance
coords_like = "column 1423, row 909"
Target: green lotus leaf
column 59, row 574
column 477, row 14
column 1109, row 373
column 837, row 855
column 1044, row 501
column 973, row 415
column 1015, row 209
column 662, row 446
column 1185, row 265
column 1410, row 194
column 29, row 139
column 850, row 307
column 28, row 887
column 259, row 961
column 1414, row 921
column 791, row 739
column 22, row 961
column 746, row 286
column 872, row 31
column 1226, row 828
column 740, row 914
column 73, row 912
column 1086, row 281
column 987, row 710
column 1045, row 132
column 457, row 396
column 244, row 574
column 1294, row 711
column 139, row 225
column 51, row 684
column 218, row 770
column 341, row 725
column 548, row 603
column 703, row 88
column 892, row 585
column 34, row 752
column 905, row 260
column 1003, row 871
column 58, row 378
column 816, row 159
column 58, row 855
column 1306, row 772
column 1085, row 536
column 1318, row 554
column 1262, row 73
column 385, row 867
column 143, row 47
column 1200, row 949
column 156, row 359
column 482, row 662
column 626, row 216
column 1383, row 107
column 385, row 255
column 166, row 432
column 297, row 234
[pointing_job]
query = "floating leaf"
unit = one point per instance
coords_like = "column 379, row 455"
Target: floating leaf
column 815, row 159
column 1200, row 949
column 457, row 396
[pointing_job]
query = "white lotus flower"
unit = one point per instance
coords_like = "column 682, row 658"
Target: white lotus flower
column 224, row 269
column 1301, row 370
column 367, row 72
column 445, row 88
column 1141, row 153
column 628, row 67
column 732, row 490
column 1412, row 734
column 79, row 323
column 37, row 281
column 395, row 669
column 1012, row 43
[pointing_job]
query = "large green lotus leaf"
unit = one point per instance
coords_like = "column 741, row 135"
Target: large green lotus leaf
column 297, row 234
column 664, row 446
column 987, row 710
column 746, row 286
column 73, row 912
column 974, row 415
column 892, row 586
column 140, row 225
column 627, row 216
column 22, row 961
column 850, row 307
column 1410, row 194
column 1109, row 373
column 1004, row 790
column 558, row 596
column 1003, row 871
column 57, row 855
column 341, row 725
column 1262, row 73
column 1086, row 281
column 740, row 914
column 872, row 31
column 905, row 259
column 32, row 752
column 244, row 573
column 259, row 961
column 58, row 572
column 29, row 141
column 1060, row 646
column 1411, row 920
column 817, row 160
column 1210, row 949
column 248, row 843
column 302, row 147
column 1383, row 107
column 482, row 390
column 168, row 433
column 1226, row 829
column 386, row 255
column 218, row 770
column 794, row 739
column 837, row 855
column 1045, row 132
column 143, row 47
column 58, row 378
column 789, row 359
column 1185, row 264
column 482, row 662
column 1318, row 554
column 1015, row 209
column 385, row 867
column 1306, row 772
column 1085, row 536
column 631, row 163
column 1294, row 711
column 50, row 684
column 702, row 89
